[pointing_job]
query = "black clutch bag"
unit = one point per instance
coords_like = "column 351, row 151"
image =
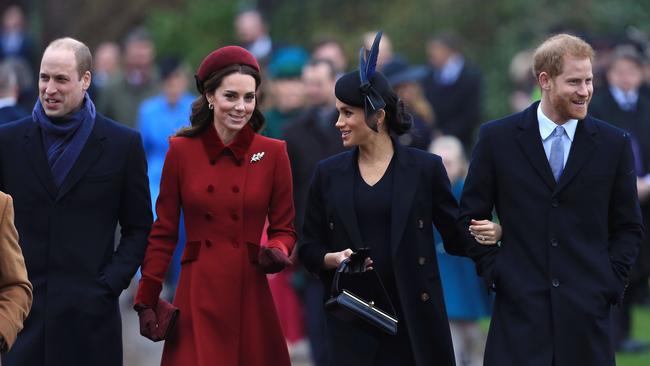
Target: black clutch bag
column 347, row 306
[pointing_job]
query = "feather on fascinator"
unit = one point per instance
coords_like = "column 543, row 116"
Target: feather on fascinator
column 367, row 66
column 365, row 88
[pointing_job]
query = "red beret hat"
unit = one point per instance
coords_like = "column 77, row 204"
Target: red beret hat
column 220, row 58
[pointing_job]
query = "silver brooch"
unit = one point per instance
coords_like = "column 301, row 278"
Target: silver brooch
column 257, row 157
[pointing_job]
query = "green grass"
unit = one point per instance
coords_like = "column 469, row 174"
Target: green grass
column 641, row 331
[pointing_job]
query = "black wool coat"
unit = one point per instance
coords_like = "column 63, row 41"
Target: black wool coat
column 567, row 247
column 421, row 196
column 67, row 236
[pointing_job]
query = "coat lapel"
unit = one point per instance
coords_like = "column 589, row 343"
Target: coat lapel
column 581, row 149
column 531, row 143
column 89, row 154
column 405, row 178
column 36, row 155
column 343, row 184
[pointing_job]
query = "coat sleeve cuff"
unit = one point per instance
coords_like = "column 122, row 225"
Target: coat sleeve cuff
column 275, row 243
column 8, row 332
column 148, row 292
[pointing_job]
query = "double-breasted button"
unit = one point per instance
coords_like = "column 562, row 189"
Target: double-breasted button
column 555, row 282
column 422, row 261
column 235, row 189
column 331, row 225
column 213, row 161
column 238, row 162
column 420, row 224
column 234, row 216
column 208, row 216
column 424, row 296
column 208, row 243
column 210, row 188
column 555, row 203
column 554, row 242
column 235, row 243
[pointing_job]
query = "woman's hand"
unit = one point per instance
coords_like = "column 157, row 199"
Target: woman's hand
column 485, row 232
column 333, row 260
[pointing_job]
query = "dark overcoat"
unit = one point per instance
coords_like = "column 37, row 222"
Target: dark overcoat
column 567, row 247
column 421, row 196
column 67, row 236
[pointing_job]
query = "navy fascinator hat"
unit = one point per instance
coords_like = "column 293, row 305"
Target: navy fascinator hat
column 366, row 87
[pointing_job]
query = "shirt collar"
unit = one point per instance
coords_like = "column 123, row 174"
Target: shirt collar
column 451, row 71
column 622, row 98
column 7, row 102
column 214, row 147
column 546, row 126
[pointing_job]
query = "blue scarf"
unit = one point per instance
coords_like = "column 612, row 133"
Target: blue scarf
column 64, row 138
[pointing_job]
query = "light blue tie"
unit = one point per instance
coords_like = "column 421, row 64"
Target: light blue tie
column 556, row 158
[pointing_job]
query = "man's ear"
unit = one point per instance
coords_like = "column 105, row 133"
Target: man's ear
column 86, row 79
column 544, row 80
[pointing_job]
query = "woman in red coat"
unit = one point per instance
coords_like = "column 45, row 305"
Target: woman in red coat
column 227, row 179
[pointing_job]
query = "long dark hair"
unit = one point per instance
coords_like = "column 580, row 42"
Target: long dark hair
column 202, row 115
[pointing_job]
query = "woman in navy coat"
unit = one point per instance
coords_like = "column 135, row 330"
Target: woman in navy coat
column 384, row 196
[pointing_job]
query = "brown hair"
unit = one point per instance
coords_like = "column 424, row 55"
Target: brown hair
column 549, row 56
column 202, row 116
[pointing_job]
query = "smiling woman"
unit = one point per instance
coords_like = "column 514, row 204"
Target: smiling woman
column 227, row 179
column 382, row 196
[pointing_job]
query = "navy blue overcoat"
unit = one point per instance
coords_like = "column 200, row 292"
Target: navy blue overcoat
column 67, row 236
column 567, row 247
column 421, row 196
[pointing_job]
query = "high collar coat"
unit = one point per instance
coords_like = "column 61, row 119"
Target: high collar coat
column 421, row 196
column 67, row 236
column 227, row 315
column 567, row 247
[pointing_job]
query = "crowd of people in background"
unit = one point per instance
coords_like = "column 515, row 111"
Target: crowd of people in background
column 134, row 84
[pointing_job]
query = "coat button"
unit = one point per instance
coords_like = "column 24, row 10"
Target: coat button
column 554, row 242
column 555, row 203
column 213, row 161
column 424, row 296
column 210, row 188
column 235, row 243
column 420, row 224
column 208, row 216
column 208, row 243
column 234, row 216
column 331, row 226
column 235, row 189
column 555, row 282
column 422, row 261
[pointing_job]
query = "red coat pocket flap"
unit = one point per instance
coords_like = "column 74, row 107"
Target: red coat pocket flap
column 191, row 252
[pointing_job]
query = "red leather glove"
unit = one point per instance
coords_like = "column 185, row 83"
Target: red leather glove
column 148, row 323
column 272, row 260
column 159, row 323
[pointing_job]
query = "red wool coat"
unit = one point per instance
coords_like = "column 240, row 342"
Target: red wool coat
column 226, row 192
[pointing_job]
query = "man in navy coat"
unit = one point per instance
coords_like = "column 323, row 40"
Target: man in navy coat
column 74, row 175
column 564, row 187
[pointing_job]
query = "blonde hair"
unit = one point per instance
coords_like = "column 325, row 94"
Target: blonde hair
column 549, row 56
column 452, row 145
